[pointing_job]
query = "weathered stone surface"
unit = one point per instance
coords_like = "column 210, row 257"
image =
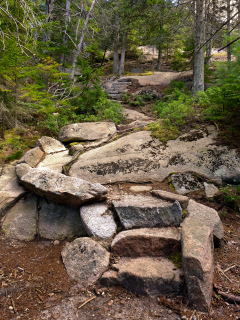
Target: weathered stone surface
column 136, row 211
column 88, row 131
column 59, row 222
column 197, row 258
column 55, row 161
column 146, row 242
column 140, row 188
column 185, row 182
column 149, row 276
column 98, row 220
column 7, row 174
column 139, row 157
column 169, row 196
column 21, row 169
column 210, row 189
column 85, row 260
column 133, row 125
column 75, row 148
column 50, row 145
column 62, row 189
column 110, row 278
column 135, row 115
column 10, row 194
column 21, row 221
column 32, row 157
column 208, row 216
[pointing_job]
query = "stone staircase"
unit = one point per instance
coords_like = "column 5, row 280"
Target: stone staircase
column 115, row 89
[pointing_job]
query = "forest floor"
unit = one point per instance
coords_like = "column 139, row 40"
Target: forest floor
column 34, row 283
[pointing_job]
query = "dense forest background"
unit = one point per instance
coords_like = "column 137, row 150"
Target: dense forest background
column 54, row 55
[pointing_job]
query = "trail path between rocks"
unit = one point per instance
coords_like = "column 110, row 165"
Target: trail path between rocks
column 43, row 290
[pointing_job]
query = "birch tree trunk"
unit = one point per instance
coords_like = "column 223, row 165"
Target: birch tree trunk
column 76, row 55
column 123, row 53
column 116, row 47
column 199, row 36
column 65, row 39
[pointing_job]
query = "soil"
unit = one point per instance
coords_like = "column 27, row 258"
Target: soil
column 35, row 285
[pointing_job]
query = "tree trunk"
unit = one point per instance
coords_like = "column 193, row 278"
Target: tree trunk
column 76, row 55
column 228, row 29
column 49, row 13
column 159, row 57
column 65, row 38
column 123, row 52
column 116, row 47
column 199, row 34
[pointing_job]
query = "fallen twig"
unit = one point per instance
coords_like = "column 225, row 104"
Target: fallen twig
column 192, row 314
column 86, row 302
column 229, row 268
column 229, row 297
column 14, row 307
column 8, row 290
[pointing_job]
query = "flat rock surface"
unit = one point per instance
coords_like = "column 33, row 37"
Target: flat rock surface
column 136, row 211
column 184, row 183
column 158, row 78
column 59, row 222
column 135, row 115
column 21, row 221
column 198, row 265
column 7, row 174
column 62, row 189
column 146, row 242
column 88, row 131
column 85, row 260
column 139, row 157
column 149, row 276
column 50, row 145
column 207, row 215
column 56, row 161
column 98, row 220
column 140, row 188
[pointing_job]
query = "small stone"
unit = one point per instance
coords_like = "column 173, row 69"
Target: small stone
column 140, row 188
column 75, row 148
column 184, row 183
column 56, row 242
column 210, row 190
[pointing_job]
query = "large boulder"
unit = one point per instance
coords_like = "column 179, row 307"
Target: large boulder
column 149, row 276
column 58, row 221
column 85, row 260
column 136, row 211
column 203, row 214
column 98, row 220
column 88, row 131
column 146, row 242
column 50, row 145
column 198, row 266
column 21, row 221
column 62, row 189
column 139, row 157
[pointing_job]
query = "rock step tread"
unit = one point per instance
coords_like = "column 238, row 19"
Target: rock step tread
column 148, row 276
column 146, row 242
